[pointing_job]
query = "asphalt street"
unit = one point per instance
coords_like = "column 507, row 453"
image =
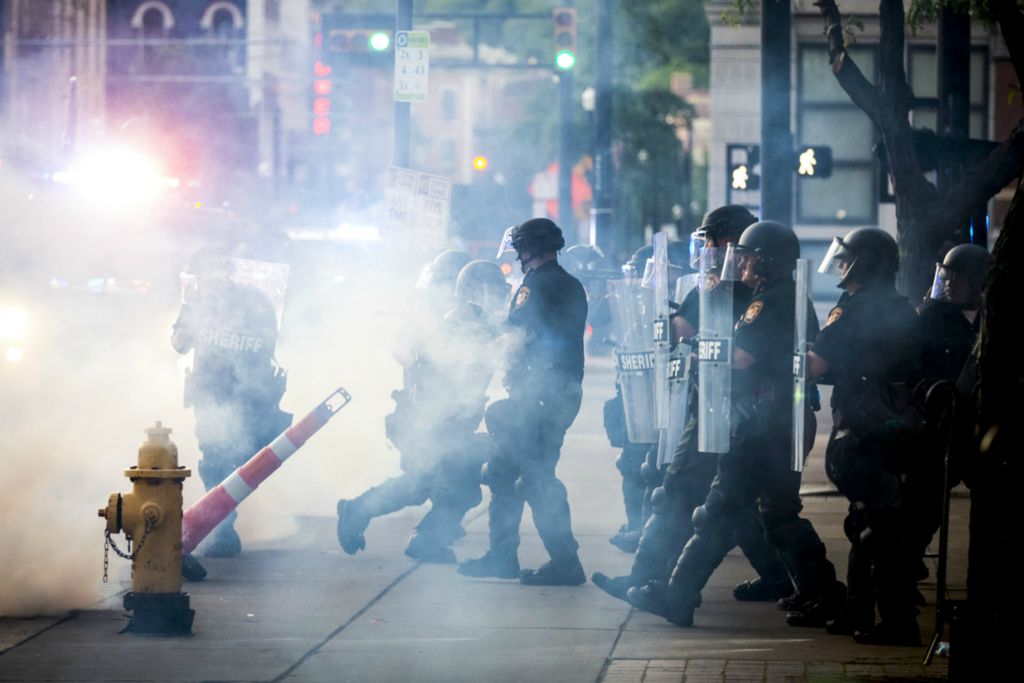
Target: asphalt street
column 296, row 608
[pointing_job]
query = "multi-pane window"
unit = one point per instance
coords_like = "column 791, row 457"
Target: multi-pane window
column 827, row 116
column 922, row 69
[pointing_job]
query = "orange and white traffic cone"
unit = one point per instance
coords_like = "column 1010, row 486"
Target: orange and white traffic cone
column 210, row 510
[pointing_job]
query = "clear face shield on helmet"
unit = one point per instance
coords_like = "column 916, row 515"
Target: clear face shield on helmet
column 698, row 242
column 505, row 245
column 837, row 259
column 951, row 285
column 736, row 263
column 647, row 280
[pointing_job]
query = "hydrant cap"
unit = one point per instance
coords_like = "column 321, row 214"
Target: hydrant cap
column 158, row 432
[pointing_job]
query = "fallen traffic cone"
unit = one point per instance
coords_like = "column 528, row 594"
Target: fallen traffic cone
column 210, row 510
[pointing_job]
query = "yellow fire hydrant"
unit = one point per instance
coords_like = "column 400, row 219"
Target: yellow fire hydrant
column 150, row 516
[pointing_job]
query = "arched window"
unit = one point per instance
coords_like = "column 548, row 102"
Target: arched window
column 224, row 21
column 151, row 20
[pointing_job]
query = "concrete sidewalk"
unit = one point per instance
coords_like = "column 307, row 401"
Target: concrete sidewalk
column 298, row 609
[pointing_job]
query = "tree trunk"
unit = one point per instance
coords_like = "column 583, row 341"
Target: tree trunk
column 994, row 471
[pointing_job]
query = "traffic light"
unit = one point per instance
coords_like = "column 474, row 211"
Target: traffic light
column 358, row 40
column 565, row 38
column 814, row 161
column 322, row 87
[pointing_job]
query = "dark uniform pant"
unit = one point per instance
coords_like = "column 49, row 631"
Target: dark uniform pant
column 528, row 435
column 687, row 480
column 755, row 469
column 880, row 567
column 630, row 464
column 450, row 480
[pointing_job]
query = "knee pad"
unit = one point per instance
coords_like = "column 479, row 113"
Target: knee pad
column 499, row 475
column 659, row 500
column 700, row 516
column 619, row 465
column 714, row 505
column 521, row 488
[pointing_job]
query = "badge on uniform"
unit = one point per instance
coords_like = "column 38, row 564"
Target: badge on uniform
column 753, row 310
column 833, row 315
column 522, row 296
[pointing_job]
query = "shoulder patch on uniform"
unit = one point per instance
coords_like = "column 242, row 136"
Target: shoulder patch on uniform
column 753, row 310
column 834, row 315
column 522, row 296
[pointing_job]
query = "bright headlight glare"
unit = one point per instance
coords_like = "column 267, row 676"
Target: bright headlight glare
column 117, row 175
column 13, row 323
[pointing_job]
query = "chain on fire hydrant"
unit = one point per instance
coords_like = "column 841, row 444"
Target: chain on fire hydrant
column 151, row 517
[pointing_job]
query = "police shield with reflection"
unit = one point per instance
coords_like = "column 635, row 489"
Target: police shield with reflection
column 756, row 464
column 544, row 373
column 690, row 471
column 235, row 385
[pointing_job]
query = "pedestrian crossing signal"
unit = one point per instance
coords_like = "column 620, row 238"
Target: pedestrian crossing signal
column 814, row 162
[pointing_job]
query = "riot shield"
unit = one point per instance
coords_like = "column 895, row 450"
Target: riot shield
column 803, row 277
column 270, row 278
column 679, row 372
column 633, row 320
column 662, row 344
column 714, row 354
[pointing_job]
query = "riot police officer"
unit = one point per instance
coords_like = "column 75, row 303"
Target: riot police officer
column 235, row 385
column 757, row 465
column 870, row 353
column 690, row 472
column 436, row 431
column 544, row 373
column 948, row 323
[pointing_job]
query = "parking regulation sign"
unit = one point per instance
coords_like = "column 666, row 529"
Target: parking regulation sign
column 412, row 65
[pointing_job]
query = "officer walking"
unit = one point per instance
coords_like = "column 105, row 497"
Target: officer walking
column 436, row 431
column 690, row 472
column 869, row 351
column 235, row 385
column 544, row 374
column 757, row 466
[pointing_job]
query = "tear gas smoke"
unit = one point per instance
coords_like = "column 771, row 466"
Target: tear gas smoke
column 99, row 369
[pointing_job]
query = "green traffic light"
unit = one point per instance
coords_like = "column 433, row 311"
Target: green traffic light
column 380, row 41
column 565, row 59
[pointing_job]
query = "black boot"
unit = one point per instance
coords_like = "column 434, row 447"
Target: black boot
column 615, row 586
column 491, row 565
column 654, row 597
column 426, row 549
column 821, row 609
column 565, row 572
column 352, row 522
column 626, row 539
column 759, row 590
column 905, row 633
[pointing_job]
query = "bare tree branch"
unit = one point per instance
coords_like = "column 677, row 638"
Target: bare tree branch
column 892, row 81
column 981, row 181
column 1011, row 23
column 851, row 79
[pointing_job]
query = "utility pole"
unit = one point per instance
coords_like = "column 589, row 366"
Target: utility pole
column 403, row 22
column 602, row 213
column 776, row 138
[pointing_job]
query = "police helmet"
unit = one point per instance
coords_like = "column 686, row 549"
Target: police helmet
column 773, row 246
column 442, row 272
column 724, row 224
column 479, row 276
column 967, row 262
column 537, row 236
column 870, row 256
column 583, row 256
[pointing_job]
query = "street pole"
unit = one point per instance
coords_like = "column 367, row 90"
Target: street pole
column 566, row 107
column 601, row 215
column 403, row 22
column 776, row 138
